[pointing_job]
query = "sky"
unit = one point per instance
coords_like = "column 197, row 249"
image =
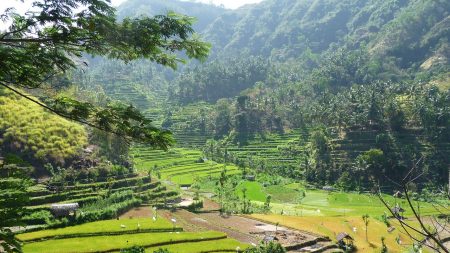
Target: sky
column 23, row 6
column 232, row 4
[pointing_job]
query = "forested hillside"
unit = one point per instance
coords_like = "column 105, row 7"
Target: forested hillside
column 204, row 13
column 328, row 43
column 362, row 76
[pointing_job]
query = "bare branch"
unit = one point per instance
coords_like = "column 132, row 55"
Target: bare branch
column 419, row 219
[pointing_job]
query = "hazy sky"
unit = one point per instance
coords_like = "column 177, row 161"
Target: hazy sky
column 21, row 7
column 227, row 3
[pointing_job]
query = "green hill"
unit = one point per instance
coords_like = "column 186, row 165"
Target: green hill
column 410, row 30
column 30, row 132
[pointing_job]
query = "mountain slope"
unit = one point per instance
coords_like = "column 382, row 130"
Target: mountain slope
column 412, row 30
column 204, row 13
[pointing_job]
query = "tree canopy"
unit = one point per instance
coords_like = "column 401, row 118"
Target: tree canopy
column 56, row 34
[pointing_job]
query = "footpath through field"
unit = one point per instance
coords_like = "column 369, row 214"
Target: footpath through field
column 248, row 230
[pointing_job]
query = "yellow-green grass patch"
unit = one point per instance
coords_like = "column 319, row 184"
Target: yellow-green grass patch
column 117, row 242
column 223, row 245
column 354, row 226
column 100, row 227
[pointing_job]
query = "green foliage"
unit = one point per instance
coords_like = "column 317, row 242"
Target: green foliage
column 220, row 79
column 51, row 39
column 270, row 247
column 13, row 198
column 384, row 248
column 195, row 206
column 108, row 208
column 320, row 156
column 103, row 171
column 373, row 163
column 134, row 249
column 38, row 217
column 161, row 250
column 8, row 241
column 267, row 204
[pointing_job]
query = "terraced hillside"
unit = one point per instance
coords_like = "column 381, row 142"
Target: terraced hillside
column 114, row 235
column 353, row 143
column 290, row 149
column 130, row 94
column 188, row 123
column 129, row 191
column 273, row 151
column 179, row 165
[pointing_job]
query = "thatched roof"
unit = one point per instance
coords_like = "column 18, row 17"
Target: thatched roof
column 398, row 194
column 270, row 238
column 250, row 177
column 328, row 188
column 65, row 207
column 398, row 209
column 341, row 236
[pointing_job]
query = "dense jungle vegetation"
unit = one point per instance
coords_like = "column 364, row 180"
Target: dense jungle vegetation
column 334, row 68
column 371, row 76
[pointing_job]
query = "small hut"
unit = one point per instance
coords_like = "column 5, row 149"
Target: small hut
column 64, row 210
column 398, row 194
column 345, row 241
column 398, row 212
column 328, row 188
column 250, row 177
column 270, row 238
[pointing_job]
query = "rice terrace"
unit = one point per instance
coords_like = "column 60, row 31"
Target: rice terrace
column 197, row 126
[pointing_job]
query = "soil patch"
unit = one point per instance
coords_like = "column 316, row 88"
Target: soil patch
column 138, row 212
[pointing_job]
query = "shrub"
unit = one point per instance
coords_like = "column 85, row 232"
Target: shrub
column 38, row 217
column 195, row 206
column 108, row 208
column 270, row 247
column 134, row 249
column 160, row 250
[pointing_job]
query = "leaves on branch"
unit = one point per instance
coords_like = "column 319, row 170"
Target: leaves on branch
column 44, row 43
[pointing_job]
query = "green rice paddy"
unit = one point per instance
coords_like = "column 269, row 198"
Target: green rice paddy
column 179, row 165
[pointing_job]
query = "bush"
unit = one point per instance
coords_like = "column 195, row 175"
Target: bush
column 134, row 249
column 270, row 247
column 160, row 250
column 38, row 217
column 108, row 208
column 195, row 206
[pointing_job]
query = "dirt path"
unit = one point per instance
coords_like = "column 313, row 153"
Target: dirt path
column 235, row 227
column 243, row 229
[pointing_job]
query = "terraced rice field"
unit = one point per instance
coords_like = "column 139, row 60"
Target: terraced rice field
column 124, row 234
column 43, row 198
column 190, row 135
column 180, row 166
column 274, row 149
column 270, row 149
column 286, row 199
column 106, row 227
